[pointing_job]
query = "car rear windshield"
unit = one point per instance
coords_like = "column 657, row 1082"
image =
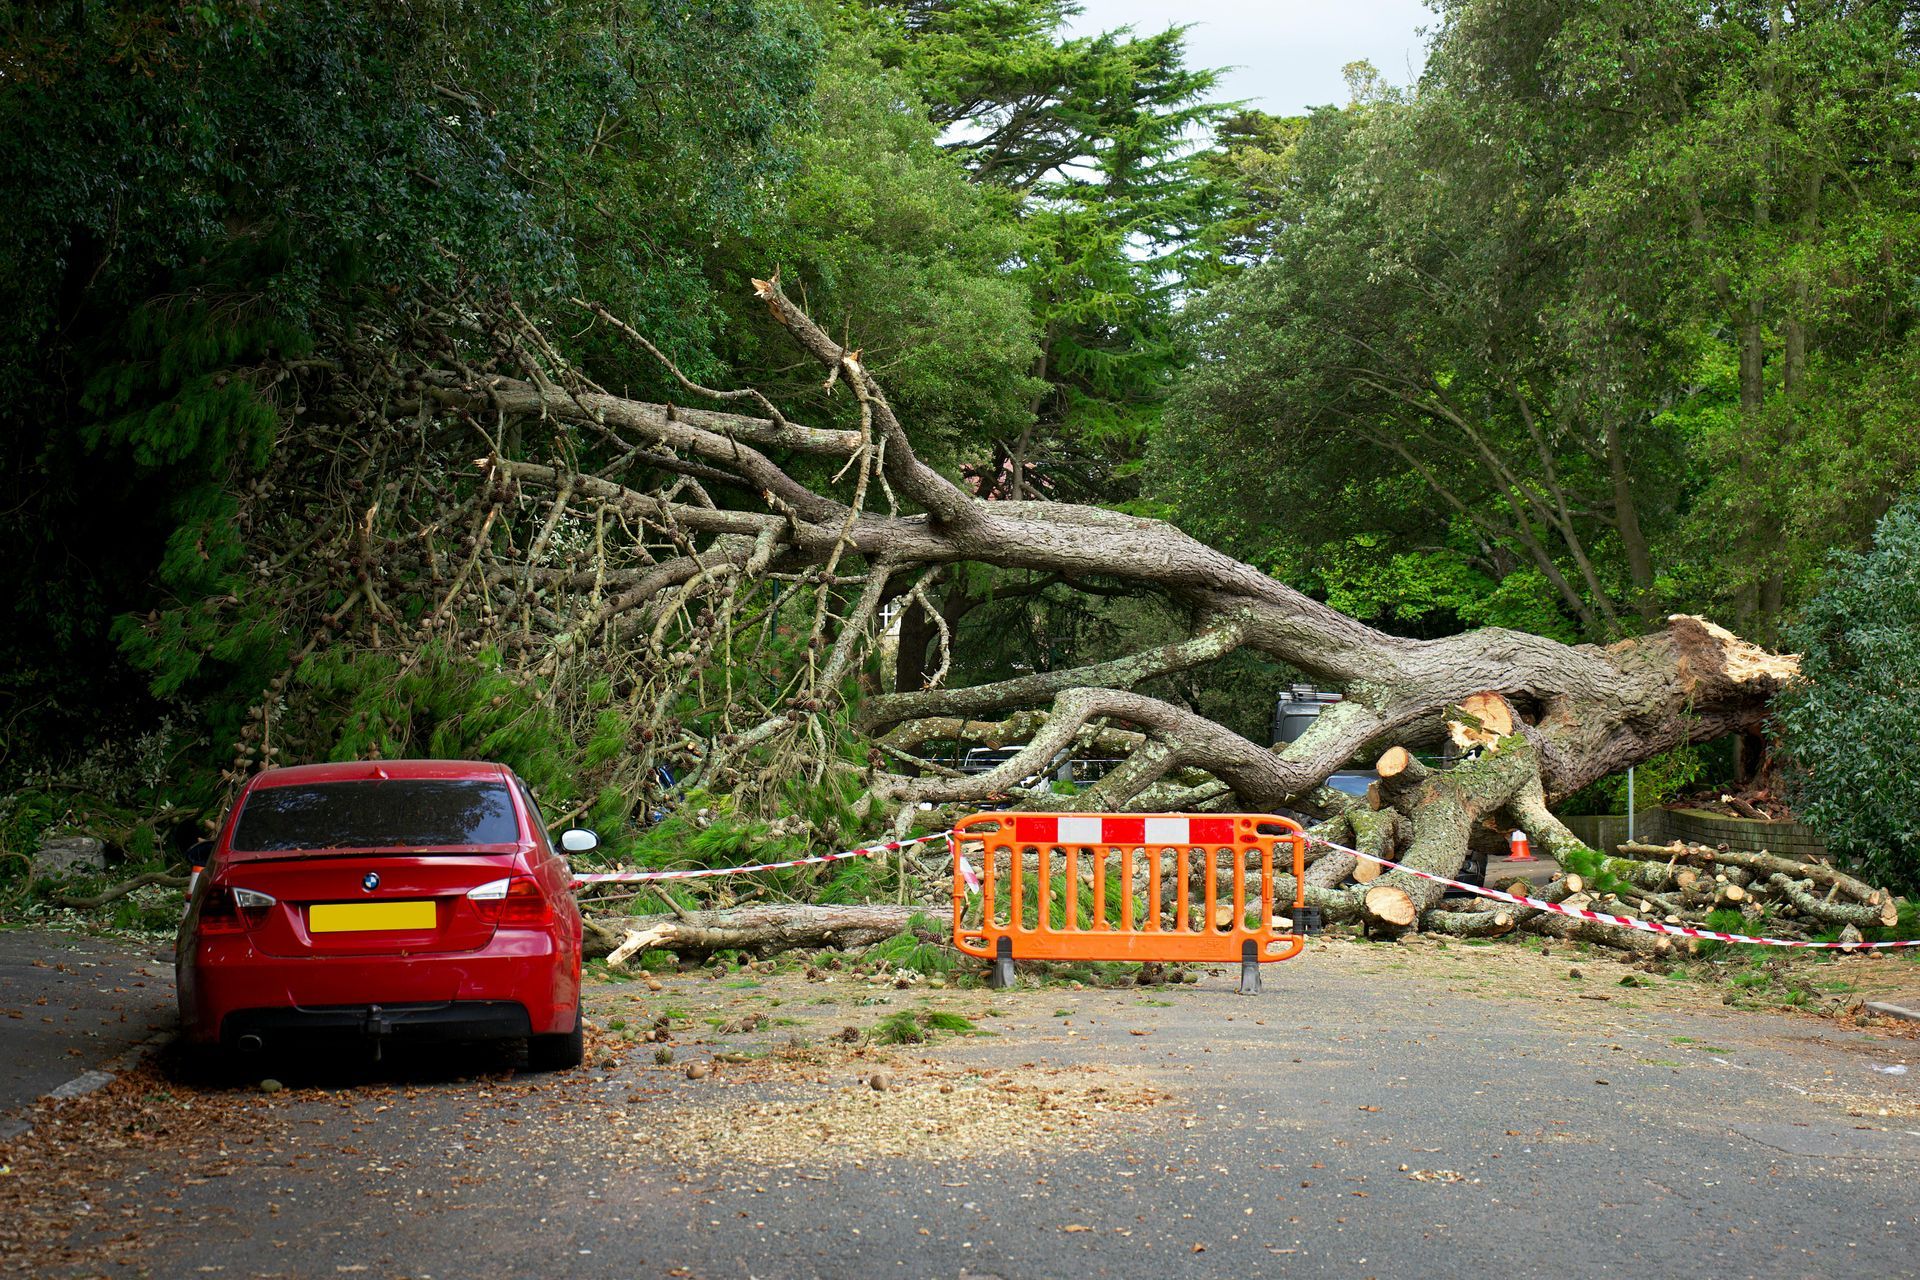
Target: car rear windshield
column 397, row 813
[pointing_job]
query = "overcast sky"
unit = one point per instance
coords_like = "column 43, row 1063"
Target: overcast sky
column 1285, row 55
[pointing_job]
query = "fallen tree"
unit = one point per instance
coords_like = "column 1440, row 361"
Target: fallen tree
column 760, row 931
column 660, row 548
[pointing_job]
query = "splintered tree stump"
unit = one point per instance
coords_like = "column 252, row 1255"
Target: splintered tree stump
column 1479, row 720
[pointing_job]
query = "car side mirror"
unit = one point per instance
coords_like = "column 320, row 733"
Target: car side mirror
column 579, row 841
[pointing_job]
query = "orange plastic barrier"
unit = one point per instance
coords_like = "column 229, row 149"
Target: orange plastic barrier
column 1024, row 915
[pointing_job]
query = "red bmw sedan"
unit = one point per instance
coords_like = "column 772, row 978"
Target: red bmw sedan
column 403, row 899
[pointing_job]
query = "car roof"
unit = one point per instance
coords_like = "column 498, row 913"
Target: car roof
column 380, row 771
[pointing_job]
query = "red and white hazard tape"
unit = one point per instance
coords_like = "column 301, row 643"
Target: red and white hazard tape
column 1067, row 828
column 1083, row 829
column 1626, row 922
column 642, row 877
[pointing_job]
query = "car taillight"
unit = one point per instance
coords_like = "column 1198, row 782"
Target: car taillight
column 515, row 901
column 230, row 910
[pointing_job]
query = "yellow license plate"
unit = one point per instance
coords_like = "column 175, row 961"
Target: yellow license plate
column 366, row 917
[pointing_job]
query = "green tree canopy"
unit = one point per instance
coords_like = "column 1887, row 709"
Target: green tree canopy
column 1848, row 723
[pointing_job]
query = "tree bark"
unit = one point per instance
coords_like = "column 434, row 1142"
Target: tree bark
column 763, row 931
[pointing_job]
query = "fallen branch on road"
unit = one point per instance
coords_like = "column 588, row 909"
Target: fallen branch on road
column 761, row 930
column 114, row 893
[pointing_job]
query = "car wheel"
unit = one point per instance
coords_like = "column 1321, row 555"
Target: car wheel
column 557, row 1053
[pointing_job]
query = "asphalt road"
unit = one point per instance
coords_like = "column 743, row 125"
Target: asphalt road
column 69, row 1006
column 1378, row 1112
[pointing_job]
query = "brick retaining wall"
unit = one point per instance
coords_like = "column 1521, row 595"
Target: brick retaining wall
column 1607, row 832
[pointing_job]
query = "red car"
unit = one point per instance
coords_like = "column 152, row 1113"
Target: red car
column 403, row 899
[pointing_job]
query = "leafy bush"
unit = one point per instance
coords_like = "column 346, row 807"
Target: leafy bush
column 1847, row 724
column 1656, row 781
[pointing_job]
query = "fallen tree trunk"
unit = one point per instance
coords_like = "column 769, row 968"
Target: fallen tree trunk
column 1503, row 918
column 715, row 537
column 762, row 931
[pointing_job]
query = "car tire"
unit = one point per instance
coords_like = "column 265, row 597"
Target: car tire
column 558, row 1053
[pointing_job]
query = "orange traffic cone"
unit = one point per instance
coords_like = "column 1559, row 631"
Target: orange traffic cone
column 1517, row 849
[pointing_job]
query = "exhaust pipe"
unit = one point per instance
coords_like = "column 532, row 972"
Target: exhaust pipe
column 249, row 1043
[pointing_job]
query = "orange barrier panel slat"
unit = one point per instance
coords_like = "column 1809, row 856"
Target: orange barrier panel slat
column 1099, row 889
column 1179, row 879
column 1240, row 886
column 1153, row 890
column 1043, row 892
column 1016, row 918
column 1071, row 919
column 1211, row 890
column 986, row 887
column 1165, row 841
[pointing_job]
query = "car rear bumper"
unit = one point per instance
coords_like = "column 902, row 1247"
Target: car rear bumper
column 257, row 1029
column 526, row 970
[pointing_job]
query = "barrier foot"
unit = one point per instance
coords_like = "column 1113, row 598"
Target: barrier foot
column 1249, row 968
column 1002, row 964
column 1308, row 920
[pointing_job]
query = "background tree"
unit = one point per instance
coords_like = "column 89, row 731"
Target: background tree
column 1546, row 431
column 1847, row 724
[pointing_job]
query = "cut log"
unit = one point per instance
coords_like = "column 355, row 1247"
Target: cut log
column 1643, row 875
column 1500, row 919
column 1391, row 906
column 1395, row 761
column 1862, row 914
column 763, row 930
column 1444, row 811
column 1575, row 929
column 1472, row 924
column 1656, row 904
column 1766, row 864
